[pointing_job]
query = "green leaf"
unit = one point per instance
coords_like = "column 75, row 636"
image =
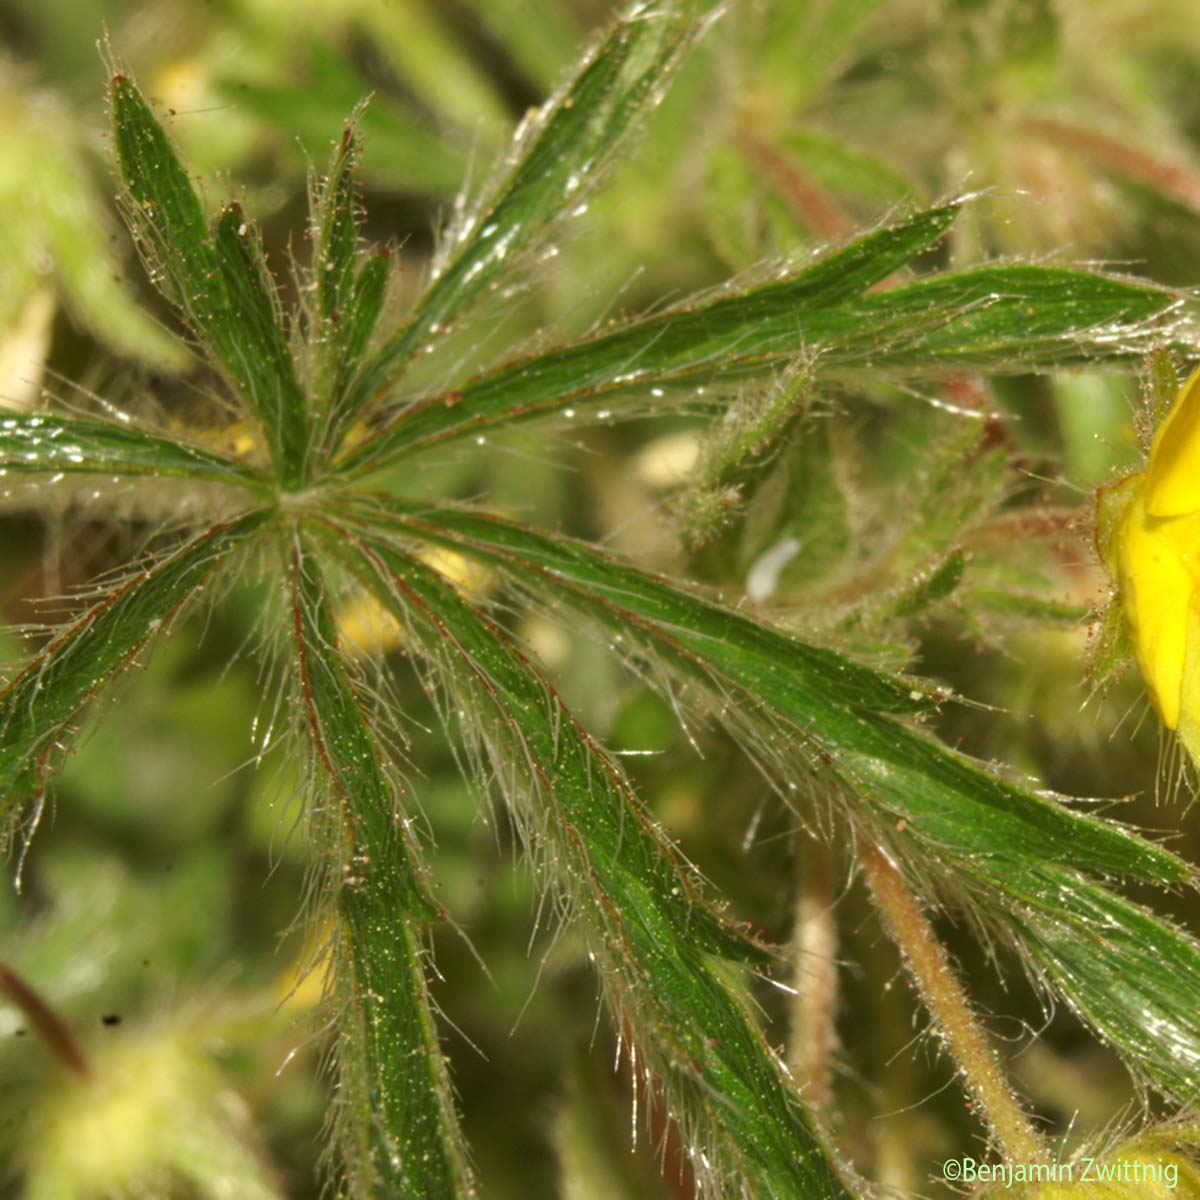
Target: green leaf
column 1033, row 608
column 797, row 673
column 159, row 186
column 833, row 711
column 38, row 704
column 649, row 931
column 258, row 343
column 1000, row 319
column 960, row 480
column 335, row 228
column 396, row 1123
column 931, row 586
column 938, row 806
column 348, row 304
column 47, row 442
column 557, row 159
column 735, row 461
column 366, row 304
column 335, row 253
column 746, row 333
column 957, row 809
column 801, row 511
column 1131, row 975
column 218, row 279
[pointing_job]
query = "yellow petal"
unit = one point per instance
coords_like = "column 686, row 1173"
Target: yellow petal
column 1158, row 585
column 1174, row 471
column 1189, row 705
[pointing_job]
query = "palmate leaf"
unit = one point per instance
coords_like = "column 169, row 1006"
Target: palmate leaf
column 396, row 1125
column 335, row 232
column 1128, row 973
column 797, row 670
column 349, row 298
column 1009, row 318
column 654, row 940
column 41, row 700
column 1014, row 317
column 671, row 968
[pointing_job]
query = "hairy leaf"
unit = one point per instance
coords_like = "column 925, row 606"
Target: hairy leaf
column 1001, row 319
column 835, row 709
column 1131, row 975
column 218, row 278
column 751, row 331
column 557, row 160
column 48, row 442
column 940, row 807
column 335, row 229
column 775, row 659
column 1007, row 318
column 649, row 930
column 39, row 702
column 396, row 1124
column 348, row 301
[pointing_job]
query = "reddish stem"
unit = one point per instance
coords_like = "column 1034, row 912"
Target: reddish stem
column 1172, row 179
column 52, row 1028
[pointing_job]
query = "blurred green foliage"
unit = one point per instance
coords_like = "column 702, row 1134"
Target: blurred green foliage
column 942, row 527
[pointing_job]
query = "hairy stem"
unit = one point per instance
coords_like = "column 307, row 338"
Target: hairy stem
column 943, row 995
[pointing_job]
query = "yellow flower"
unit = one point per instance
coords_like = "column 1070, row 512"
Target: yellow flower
column 1149, row 535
